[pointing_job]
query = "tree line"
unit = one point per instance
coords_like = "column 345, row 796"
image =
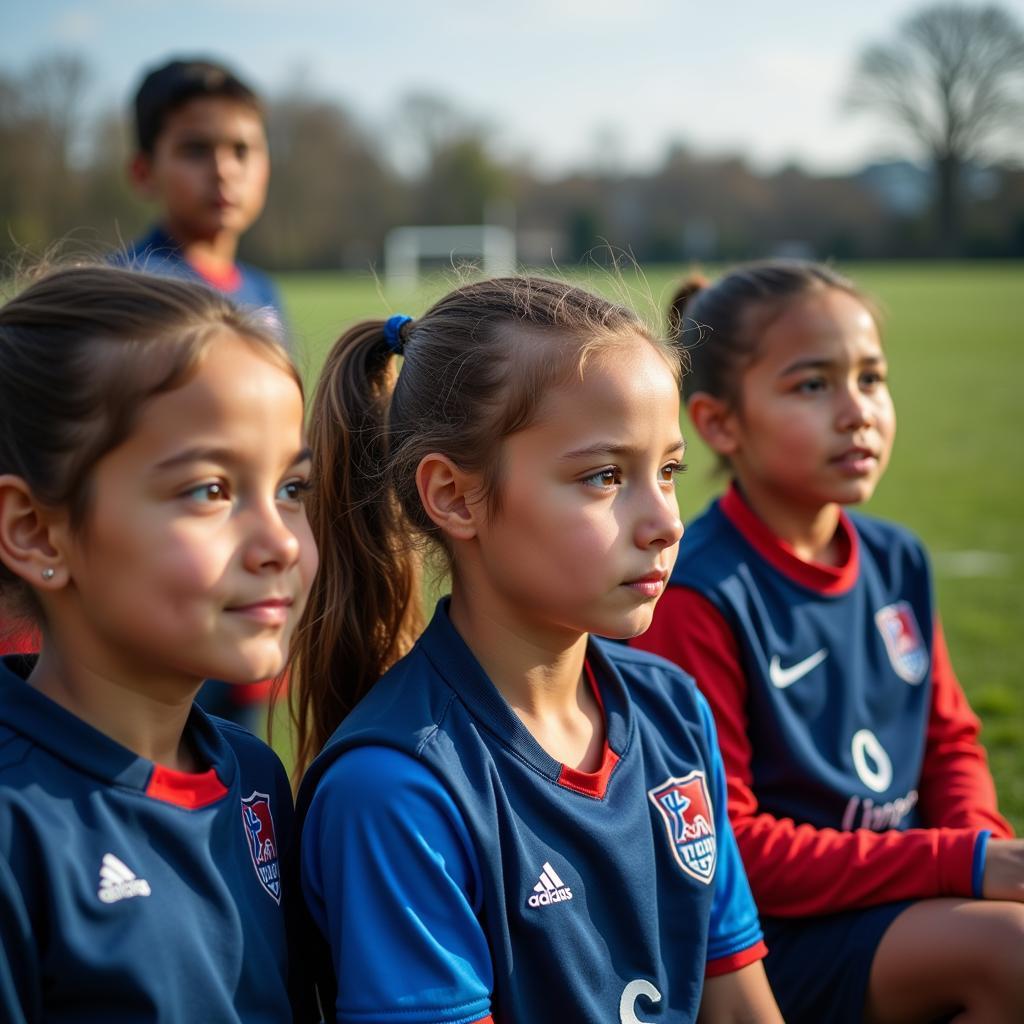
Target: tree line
column 950, row 78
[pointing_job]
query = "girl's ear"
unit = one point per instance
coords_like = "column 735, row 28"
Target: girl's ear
column 449, row 496
column 715, row 421
column 27, row 537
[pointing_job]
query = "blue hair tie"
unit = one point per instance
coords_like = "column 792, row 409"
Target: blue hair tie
column 393, row 332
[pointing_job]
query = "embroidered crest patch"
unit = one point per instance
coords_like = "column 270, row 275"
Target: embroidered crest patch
column 685, row 807
column 898, row 626
column 259, row 831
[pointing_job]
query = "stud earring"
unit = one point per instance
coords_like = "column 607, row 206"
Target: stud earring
column 48, row 573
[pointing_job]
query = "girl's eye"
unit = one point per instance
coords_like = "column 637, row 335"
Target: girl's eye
column 872, row 379
column 671, row 470
column 293, row 490
column 603, row 478
column 209, row 492
column 811, row 385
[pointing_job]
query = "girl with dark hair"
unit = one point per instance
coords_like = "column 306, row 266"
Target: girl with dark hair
column 889, row 886
column 152, row 465
column 518, row 819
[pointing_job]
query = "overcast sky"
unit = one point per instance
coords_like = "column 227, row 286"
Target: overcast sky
column 558, row 80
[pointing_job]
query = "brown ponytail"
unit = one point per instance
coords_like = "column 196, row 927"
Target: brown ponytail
column 677, row 316
column 366, row 594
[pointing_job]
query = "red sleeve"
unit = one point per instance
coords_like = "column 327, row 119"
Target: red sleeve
column 798, row 870
column 956, row 788
column 15, row 639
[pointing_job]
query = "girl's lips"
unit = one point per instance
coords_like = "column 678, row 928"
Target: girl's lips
column 856, row 461
column 650, row 585
column 273, row 611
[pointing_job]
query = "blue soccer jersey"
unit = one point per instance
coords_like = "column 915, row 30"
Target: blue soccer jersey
column 458, row 871
column 129, row 892
column 855, row 772
column 158, row 253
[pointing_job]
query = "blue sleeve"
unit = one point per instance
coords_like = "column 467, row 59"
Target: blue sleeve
column 20, row 986
column 391, row 878
column 734, row 926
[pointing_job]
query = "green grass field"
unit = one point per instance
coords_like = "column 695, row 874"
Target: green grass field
column 956, row 348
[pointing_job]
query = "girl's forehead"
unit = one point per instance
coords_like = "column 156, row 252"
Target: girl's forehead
column 820, row 320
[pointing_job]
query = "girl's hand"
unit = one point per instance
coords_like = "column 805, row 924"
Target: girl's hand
column 1004, row 870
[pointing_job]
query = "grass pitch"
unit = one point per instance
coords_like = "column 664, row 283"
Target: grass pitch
column 955, row 343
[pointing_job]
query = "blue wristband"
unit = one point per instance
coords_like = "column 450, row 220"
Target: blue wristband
column 978, row 865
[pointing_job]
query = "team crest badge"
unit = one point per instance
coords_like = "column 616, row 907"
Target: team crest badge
column 259, row 831
column 903, row 641
column 685, row 807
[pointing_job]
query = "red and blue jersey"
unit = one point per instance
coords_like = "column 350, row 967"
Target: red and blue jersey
column 854, row 769
column 458, row 873
column 129, row 892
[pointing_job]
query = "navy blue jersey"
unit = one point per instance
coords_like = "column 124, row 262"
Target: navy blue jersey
column 839, row 681
column 459, row 871
column 129, row 892
column 158, row 253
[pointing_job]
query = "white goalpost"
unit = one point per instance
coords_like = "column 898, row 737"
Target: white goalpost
column 406, row 247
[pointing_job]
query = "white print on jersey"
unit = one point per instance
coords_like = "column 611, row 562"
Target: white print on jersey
column 865, row 745
column 783, row 677
column 118, row 881
column 550, row 889
column 630, row 994
column 877, row 817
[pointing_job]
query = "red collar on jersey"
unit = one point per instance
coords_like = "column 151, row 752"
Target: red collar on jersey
column 593, row 784
column 185, row 789
column 830, row 580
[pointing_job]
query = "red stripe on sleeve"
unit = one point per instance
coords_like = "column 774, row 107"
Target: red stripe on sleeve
column 798, row 870
column 733, row 962
column 956, row 788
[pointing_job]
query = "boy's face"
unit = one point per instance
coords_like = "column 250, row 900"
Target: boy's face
column 208, row 169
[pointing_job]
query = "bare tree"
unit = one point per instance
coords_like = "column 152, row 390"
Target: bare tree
column 953, row 78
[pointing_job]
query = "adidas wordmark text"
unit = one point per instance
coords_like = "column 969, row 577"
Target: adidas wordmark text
column 550, row 889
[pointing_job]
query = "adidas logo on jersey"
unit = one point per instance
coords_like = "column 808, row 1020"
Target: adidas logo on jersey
column 550, row 889
column 118, row 881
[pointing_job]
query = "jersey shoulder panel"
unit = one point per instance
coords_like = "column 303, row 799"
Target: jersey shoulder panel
column 889, row 544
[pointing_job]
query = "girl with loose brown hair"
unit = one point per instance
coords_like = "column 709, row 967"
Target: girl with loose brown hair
column 510, row 817
column 152, row 465
column 890, row 887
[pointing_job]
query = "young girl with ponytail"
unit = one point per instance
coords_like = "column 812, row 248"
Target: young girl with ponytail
column 889, row 884
column 510, row 819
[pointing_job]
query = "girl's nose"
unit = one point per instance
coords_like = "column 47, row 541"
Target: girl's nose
column 272, row 544
column 660, row 525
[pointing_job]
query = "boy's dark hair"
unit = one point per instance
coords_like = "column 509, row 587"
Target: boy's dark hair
column 172, row 85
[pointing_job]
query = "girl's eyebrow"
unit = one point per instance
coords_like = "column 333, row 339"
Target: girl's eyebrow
column 824, row 364
column 224, row 456
column 616, row 450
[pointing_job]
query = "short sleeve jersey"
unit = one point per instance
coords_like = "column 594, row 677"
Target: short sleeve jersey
column 459, row 872
column 130, row 892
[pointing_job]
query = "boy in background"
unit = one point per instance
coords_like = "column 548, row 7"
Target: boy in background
column 202, row 158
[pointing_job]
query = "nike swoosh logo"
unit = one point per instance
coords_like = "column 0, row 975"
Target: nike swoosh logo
column 783, row 677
